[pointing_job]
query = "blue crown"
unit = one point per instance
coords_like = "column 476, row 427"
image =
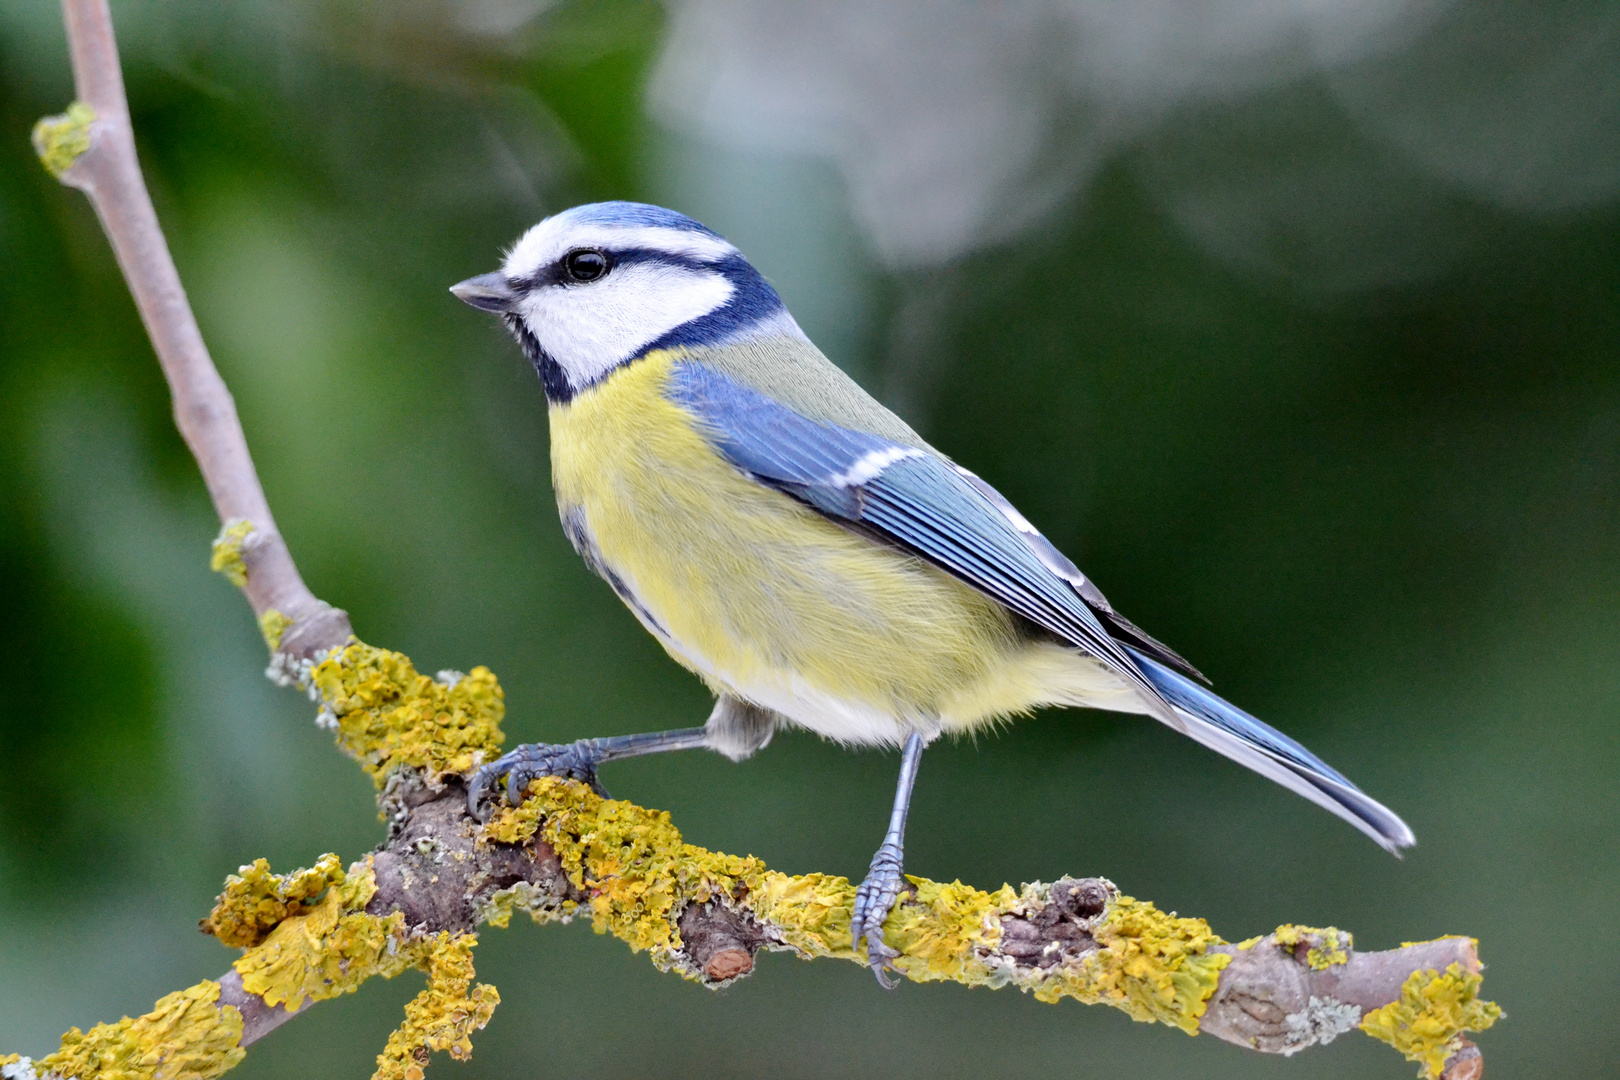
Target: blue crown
column 634, row 214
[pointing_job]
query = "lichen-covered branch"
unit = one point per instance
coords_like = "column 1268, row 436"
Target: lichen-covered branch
column 92, row 147
column 566, row 852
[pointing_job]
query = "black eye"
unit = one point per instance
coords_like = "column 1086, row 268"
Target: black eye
column 585, row 264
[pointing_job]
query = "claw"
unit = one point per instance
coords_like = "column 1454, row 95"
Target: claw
column 576, row 760
column 478, row 788
column 874, row 899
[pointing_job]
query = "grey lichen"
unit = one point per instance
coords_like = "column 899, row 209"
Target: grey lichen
column 1322, row 1021
column 21, row 1069
column 539, row 904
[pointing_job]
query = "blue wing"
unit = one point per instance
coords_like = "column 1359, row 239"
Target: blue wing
column 907, row 496
column 914, row 499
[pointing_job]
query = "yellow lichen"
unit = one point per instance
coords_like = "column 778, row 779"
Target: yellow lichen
column 388, row 716
column 633, row 866
column 637, row 876
column 812, row 912
column 334, row 946
column 638, row 873
column 1433, row 1011
column 1328, row 945
column 515, row 824
column 255, row 901
column 443, row 1016
column 328, row 950
column 187, row 1036
column 943, row 931
column 1155, row 966
column 273, row 624
column 227, row 554
column 61, row 140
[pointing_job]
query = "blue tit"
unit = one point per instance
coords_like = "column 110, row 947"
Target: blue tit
column 801, row 549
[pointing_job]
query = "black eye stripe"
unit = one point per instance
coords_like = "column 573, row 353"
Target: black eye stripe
column 556, row 272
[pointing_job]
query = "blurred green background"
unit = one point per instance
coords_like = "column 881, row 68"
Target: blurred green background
column 1296, row 327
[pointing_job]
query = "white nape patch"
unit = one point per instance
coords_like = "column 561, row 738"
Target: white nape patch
column 556, row 236
column 591, row 328
column 871, row 463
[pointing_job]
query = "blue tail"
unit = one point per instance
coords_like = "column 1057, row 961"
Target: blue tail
column 1228, row 730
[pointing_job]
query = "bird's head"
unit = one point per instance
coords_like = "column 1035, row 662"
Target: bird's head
column 595, row 287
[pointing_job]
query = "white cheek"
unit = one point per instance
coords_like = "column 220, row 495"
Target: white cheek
column 590, row 328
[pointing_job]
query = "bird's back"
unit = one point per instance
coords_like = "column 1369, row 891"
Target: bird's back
column 793, row 371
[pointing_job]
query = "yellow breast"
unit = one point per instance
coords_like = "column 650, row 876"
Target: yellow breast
column 770, row 601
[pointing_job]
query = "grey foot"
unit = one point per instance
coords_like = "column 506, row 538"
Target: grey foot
column 576, row 760
column 873, row 901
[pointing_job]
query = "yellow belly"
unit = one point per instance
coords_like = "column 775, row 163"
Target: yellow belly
column 766, row 599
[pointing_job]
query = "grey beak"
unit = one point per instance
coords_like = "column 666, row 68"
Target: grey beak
column 489, row 292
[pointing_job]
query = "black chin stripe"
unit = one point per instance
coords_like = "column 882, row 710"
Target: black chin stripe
column 552, row 377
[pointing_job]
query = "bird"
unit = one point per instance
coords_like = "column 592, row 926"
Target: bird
column 803, row 550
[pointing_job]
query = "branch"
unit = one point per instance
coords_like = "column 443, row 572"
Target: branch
column 92, row 147
column 567, row 852
column 417, row 901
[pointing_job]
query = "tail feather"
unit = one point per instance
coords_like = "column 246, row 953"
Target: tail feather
column 1228, row 730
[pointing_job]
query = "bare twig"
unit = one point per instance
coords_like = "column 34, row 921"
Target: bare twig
column 108, row 172
column 258, row 1018
column 102, row 162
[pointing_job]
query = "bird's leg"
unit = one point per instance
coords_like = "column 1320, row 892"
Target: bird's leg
column 883, row 883
column 577, row 760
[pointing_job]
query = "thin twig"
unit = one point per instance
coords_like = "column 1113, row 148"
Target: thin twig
column 108, row 171
column 110, row 174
